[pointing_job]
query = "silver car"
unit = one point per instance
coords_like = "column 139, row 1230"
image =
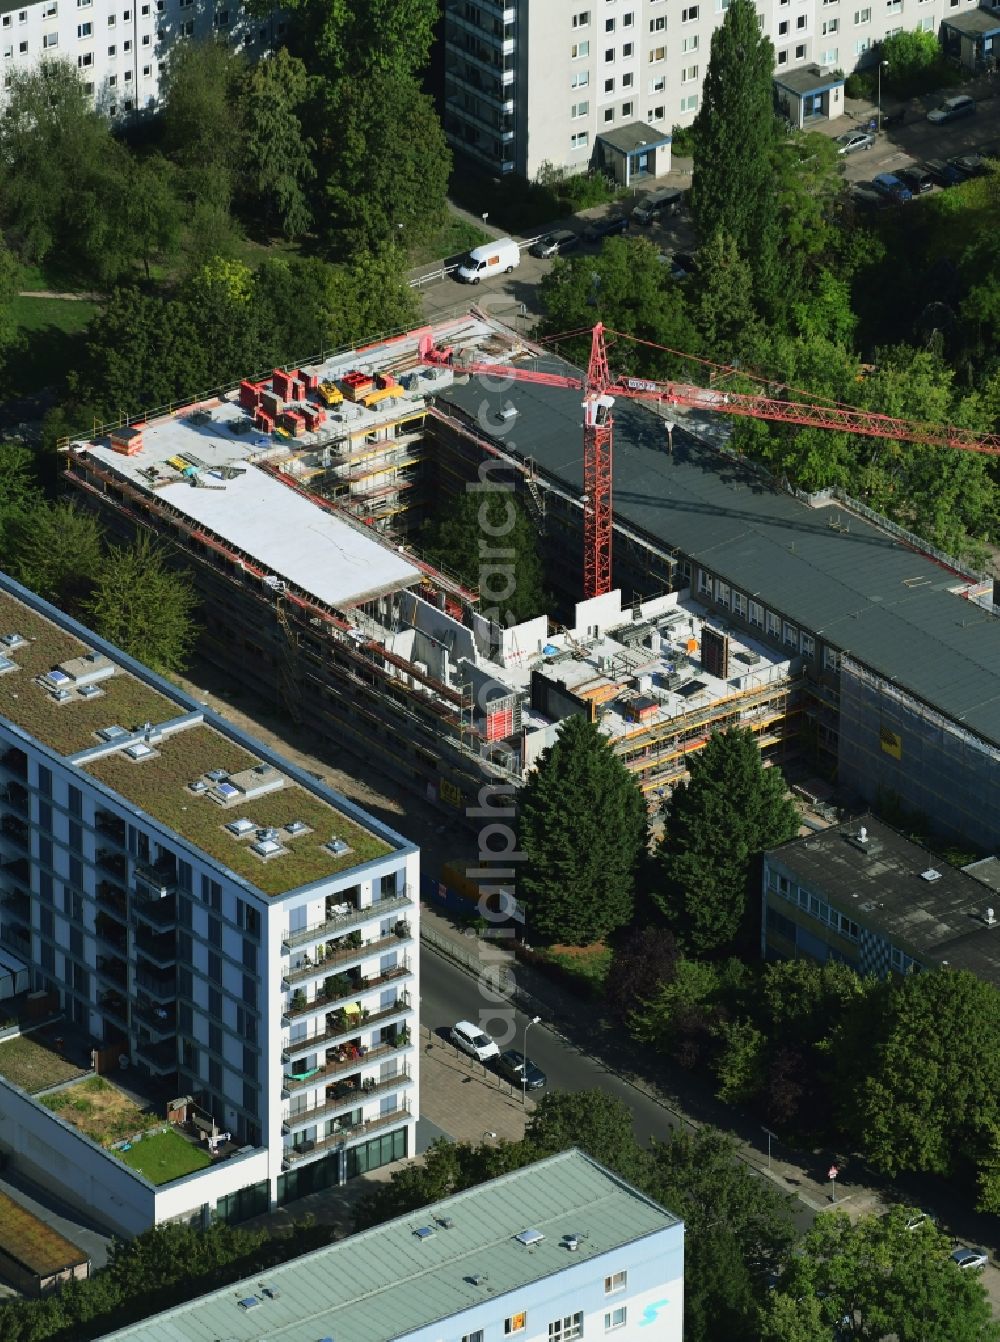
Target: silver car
column 973, row 1260
column 554, row 244
column 853, row 141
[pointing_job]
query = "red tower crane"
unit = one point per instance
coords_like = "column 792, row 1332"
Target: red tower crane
column 600, row 389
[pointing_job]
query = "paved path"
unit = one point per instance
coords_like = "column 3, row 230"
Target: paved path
column 84, row 297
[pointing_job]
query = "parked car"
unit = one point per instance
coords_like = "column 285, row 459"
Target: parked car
column 952, row 110
column 853, row 141
column 917, row 179
column 865, row 198
column 970, row 1260
column 665, row 202
column 919, row 1219
column 520, row 1071
column 474, row 1041
column 969, row 165
column 943, row 173
column 889, row 185
column 608, row 227
column 554, row 244
column 682, row 265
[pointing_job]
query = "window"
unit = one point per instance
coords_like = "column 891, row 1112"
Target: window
column 722, row 592
column 862, row 16
column 84, row 30
column 862, row 45
column 564, row 1330
column 807, row 646
column 790, row 634
column 627, row 50
column 127, row 16
column 515, row 1324
column 112, row 51
column 6, row 23
column 628, row 109
column 657, row 54
column 616, row 1282
column 579, row 110
column 830, row 26
column 50, row 40
column 688, row 72
column 658, row 84
column 579, row 79
column 690, row 103
column 783, row 28
column 50, row 9
column 580, row 140
column 739, row 604
column 609, row 85
column 609, row 53
column 477, row 1336
column 579, row 50
column 111, row 20
column 800, row 22
column 800, row 53
column 127, row 44
column 689, row 43
column 831, row 660
column 658, row 25
column 894, row 6
column 581, row 19
column 609, row 115
column 773, row 624
column 628, row 81
column 609, row 25
column 615, row 1318
column 829, row 56
column 690, row 14
column 146, row 39
column 658, row 113
column 627, row 20
column 925, row 26
column 704, row 583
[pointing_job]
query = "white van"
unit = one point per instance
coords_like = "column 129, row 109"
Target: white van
column 490, row 259
column 473, row 1041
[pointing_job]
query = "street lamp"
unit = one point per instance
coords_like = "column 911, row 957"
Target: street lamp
column 535, row 1020
column 878, row 122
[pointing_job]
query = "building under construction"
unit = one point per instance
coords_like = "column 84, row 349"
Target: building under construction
column 296, row 500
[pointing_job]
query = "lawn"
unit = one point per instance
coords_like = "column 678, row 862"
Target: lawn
column 165, row 1156
column 454, row 238
column 49, row 343
column 32, row 1066
column 586, row 966
column 160, row 786
column 101, row 1111
column 68, row 727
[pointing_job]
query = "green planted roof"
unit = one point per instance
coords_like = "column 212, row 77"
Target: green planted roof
column 388, row 1282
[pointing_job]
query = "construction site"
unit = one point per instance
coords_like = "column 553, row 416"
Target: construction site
column 296, row 502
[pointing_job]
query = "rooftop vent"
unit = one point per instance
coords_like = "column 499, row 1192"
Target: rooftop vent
column 90, row 692
column 268, row 835
column 263, row 769
column 478, row 1279
column 241, row 827
column 990, row 918
column 217, row 775
column 572, row 1242
column 61, row 696
column 862, row 835
column 338, row 847
column 270, row 1292
column 198, row 786
column 226, row 791
column 424, row 1232
column 249, row 1302
column 7, row 665
column 446, row 1222
column 266, row 848
column 12, row 641
column 56, row 677
column 529, row 1237
column 112, row 733
column 509, row 412
column 296, row 827
column 138, row 751
column 931, row 874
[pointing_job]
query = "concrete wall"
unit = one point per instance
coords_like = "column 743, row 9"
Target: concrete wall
column 208, row 1185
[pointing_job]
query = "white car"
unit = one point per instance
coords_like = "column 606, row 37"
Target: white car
column 853, row 141
column 970, row 1259
column 474, row 1041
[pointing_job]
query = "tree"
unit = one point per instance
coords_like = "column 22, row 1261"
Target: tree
column 875, row 1277
column 641, row 960
column 723, row 308
column 346, row 38
column 150, row 209
column 144, row 608
column 200, row 93
column 738, row 1230
column 582, row 826
column 9, row 277
column 598, row 1123
column 718, row 824
column 396, row 194
column 735, row 136
column 488, row 541
column 928, row 1086
column 55, row 550
column 277, row 154
column 913, row 62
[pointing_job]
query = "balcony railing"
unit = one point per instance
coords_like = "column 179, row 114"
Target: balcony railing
column 114, row 1005
column 162, row 880
column 110, row 826
column 160, row 948
column 113, row 970
column 115, row 863
column 333, row 926
column 348, row 1098
column 291, row 1154
column 345, row 955
column 159, row 1057
column 16, row 761
column 161, row 986
column 17, row 905
column 112, row 899
column 15, row 831
column 364, row 1059
column 341, row 1029
column 356, row 989
column 160, row 1020
column 16, row 797
column 159, row 913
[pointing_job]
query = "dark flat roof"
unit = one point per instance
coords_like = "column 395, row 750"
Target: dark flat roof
column 880, row 884
column 808, row 79
column 976, row 23
column 636, row 135
column 825, row 569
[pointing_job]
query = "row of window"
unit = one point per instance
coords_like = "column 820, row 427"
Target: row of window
column 793, row 638
column 627, row 20
column 657, row 55
column 566, row 1329
column 816, row 907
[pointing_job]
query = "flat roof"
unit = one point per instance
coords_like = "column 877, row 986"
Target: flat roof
column 634, row 136
column 937, row 917
column 390, row 1281
column 148, row 742
column 32, row 1244
column 808, row 79
column 825, row 569
column 975, row 23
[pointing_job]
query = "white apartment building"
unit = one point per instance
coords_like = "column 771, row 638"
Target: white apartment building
column 209, row 925
column 529, row 83
column 119, row 46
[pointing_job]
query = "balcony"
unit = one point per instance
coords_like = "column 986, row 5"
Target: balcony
column 160, row 1057
column 113, row 1004
column 345, row 954
column 345, row 1095
column 112, row 899
column 156, row 880
column 339, row 1025
column 110, row 827
column 334, row 925
column 15, row 830
column 161, row 984
column 116, row 864
column 113, row 970
column 15, row 761
column 16, row 797
column 161, row 1021
column 340, row 1066
column 346, row 990
column 17, row 904
column 17, row 937
column 160, row 913
column 158, row 947
column 111, row 934
column 292, row 1154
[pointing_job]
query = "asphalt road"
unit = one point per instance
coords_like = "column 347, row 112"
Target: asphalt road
column 449, row 994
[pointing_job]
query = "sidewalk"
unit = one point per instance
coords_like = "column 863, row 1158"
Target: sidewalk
column 798, row 1173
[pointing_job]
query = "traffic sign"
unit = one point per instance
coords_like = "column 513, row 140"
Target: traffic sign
column 834, row 1171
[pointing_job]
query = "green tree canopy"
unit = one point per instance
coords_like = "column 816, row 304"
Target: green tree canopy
column 55, row 550
column 735, row 137
column 278, row 166
column 203, row 129
column 582, row 827
column 396, row 193
column 642, row 960
column 718, row 823
column 487, row 540
column 346, row 38
column 875, row 1278
column 598, row 1123
column 144, row 607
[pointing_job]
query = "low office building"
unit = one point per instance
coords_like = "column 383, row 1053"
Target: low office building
column 232, row 937
column 863, row 894
column 557, row 1251
column 34, row 1258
